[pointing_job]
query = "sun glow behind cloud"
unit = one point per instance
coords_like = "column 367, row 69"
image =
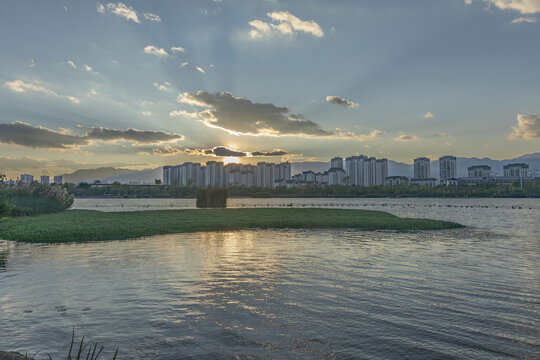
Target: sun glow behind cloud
column 231, row 160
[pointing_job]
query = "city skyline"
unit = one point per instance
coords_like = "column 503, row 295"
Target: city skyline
column 140, row 85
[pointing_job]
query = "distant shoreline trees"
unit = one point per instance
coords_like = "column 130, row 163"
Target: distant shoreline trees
column 530, row 189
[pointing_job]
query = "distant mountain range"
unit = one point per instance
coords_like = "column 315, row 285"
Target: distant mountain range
column 110, row 174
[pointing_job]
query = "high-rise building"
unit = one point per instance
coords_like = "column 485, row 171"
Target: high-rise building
column 336, row 176
column 264, row 174
column 27, row 179
column 58, row 179
column 354, row 167
column 421, row 168
column 282, row 172
column 167, row 175
column 240, row 175
column 370, row 171
column 381, row 171
column 447, row 167
column 479, row 171
column 336, row 163
column 516, row 170
column 187, row 174
column 214, row 174
column 44, row 180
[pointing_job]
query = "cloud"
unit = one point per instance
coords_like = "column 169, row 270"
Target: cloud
column 239, row 116
column 528, row 127
column 72, row 64
column 146, row 113
column 522, row 6
column 520, row 20
column 468, row 2
column 287, row 24
column 20, row 86
column 404, row 137
column 260, row 28
column 127, row 12
column 341, row 101
column 269, row 153
column 32, row 63
column 184, row 113
column 154, row 50
column 166, row 86
column 198, row 68
column 92, row 92
column 139, row 136
column 428, row 115
column 224, row 151
column 152, row 17
column 441, row 135
column 18, row 164
column 121, row 10
column 375, row 134
column 178, row 49
column 218, row 151
column 24, row 134
column 88, row 68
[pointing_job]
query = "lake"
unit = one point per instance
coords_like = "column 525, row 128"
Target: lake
column 471, row 293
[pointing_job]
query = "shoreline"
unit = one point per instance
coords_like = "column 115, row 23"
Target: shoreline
column 93, row 225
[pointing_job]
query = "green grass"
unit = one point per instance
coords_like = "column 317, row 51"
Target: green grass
column 91, row 225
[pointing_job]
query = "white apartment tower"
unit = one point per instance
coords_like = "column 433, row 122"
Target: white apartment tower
column 447, row 167
column 336, row 163
column 421, row 168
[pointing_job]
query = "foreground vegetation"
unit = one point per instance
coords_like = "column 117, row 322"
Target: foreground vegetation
column 22, row 200
column 90, row 225
column 530, row 189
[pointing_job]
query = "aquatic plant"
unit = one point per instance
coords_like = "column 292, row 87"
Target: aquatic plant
column 212, row 197
column 91, row 225
column 93, row 352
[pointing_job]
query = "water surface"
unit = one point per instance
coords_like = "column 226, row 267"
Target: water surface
column 463, row 293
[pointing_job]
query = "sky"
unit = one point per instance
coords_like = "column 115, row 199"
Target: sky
column 141, row 84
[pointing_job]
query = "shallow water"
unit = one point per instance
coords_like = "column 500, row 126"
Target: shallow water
column 465, row 293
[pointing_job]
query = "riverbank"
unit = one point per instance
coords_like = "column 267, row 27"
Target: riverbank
column 91, row 225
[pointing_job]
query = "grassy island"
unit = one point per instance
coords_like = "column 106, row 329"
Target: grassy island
column 91, row 225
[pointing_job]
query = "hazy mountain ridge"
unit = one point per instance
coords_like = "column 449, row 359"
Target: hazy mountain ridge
column 395, row 168
column 93, row 174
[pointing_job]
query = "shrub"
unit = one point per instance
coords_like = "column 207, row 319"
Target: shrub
column 212, row 198
column 34, row 199
column 4, row 208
